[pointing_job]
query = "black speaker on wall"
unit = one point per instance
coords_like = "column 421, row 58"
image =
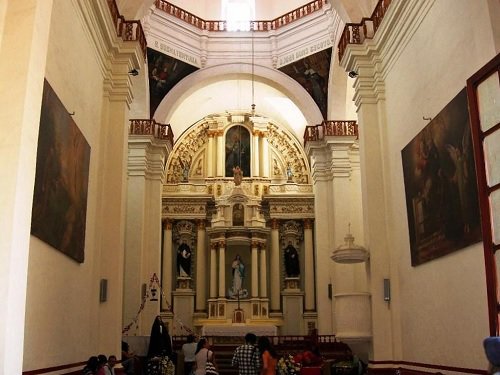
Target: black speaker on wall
column 103, row 290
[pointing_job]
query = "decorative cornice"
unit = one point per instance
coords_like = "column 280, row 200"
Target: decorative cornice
column 373, row 59
column 115, row 56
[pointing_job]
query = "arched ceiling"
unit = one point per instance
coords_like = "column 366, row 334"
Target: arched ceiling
column 228, row 87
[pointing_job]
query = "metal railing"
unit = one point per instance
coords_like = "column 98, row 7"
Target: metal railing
column 357, row 33
column 214, row 25
column 127, row 30
column 153, row 128
column 330, row 128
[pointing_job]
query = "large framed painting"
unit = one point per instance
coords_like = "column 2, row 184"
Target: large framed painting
column 440, row 185
column 61, row 181
column 238, row 150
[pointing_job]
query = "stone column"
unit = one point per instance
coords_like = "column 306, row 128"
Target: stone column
column 213, row 270
column 256, row 154
column 220, row 154
column 201, row 266
column 24, row 38
column 308, row 266
column 166, row 276
column 263, row 272
column 210, row 156
column 275, row 266
column 222, row 271
column 265, row 156
column 255, row 269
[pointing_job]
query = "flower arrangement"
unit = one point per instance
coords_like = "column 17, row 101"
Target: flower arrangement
column 288, row 366
column 160, row 366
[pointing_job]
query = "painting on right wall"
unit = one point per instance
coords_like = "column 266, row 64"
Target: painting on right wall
column 440, row 185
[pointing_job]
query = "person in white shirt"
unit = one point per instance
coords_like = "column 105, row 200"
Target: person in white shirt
column 189, row 350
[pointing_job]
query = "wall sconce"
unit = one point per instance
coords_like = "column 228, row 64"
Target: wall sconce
column 387, row 290
column 134, row 72
column 103, row 290
column 353, row 74
column 153, row 298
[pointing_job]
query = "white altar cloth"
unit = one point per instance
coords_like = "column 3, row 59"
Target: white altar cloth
column 238, row 330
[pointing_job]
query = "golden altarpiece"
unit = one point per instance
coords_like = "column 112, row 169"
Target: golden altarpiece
column 238, row 215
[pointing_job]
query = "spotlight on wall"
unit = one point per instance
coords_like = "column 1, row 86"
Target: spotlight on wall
column 387, row 290
column 353, row 74
column 133, row 72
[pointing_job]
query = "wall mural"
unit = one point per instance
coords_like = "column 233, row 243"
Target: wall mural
column 61, row 180
column 440, row 185
column 164, row 73
column 312, row 73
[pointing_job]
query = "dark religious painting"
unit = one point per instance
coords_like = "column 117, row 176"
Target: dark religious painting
column 312, row 73
column 238, row 150
column 61, row 179
column 164, row 73
column 440, row 184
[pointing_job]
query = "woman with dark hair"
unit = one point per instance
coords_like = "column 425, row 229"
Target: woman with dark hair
column 268, row 355
column 202, row 356
column 91, row 366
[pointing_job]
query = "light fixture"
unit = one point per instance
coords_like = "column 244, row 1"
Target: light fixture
column 133, row 72
column 387, row 290
column 353, row 74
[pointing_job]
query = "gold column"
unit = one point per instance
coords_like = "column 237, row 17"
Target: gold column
column 256, row 154
column 263, row 272
column 222, row 270
column 275, row 266
column 210, row 160
column 255, row 269
column 213, row 270
column 220, row 155
column 201, row 261
column 265, row 155
column 166, row 274
column 308, row 266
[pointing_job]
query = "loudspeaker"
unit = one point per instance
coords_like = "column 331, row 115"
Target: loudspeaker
column 387, row 290
column 103, row 290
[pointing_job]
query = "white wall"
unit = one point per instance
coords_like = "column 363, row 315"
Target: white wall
column 443, row 301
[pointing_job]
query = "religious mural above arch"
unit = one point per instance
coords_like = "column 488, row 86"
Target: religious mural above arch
column 312, row 72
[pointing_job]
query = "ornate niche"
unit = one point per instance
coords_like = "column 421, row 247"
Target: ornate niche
column 291, row 235
column 184, row 239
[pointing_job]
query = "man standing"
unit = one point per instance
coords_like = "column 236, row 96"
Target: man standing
column 246, row 357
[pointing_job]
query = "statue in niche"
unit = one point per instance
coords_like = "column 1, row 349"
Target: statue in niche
column 292, row 266
column 184, row 260
column 238, row 272
column 238, row 214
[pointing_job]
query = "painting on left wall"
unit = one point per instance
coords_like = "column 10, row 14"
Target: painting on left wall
column 61, row 181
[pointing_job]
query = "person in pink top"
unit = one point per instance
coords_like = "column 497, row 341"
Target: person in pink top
column 269, row 356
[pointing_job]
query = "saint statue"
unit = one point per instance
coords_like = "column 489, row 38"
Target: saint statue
column 292, row 267
column 184, row 260
column 238, row 272
column 238, row 175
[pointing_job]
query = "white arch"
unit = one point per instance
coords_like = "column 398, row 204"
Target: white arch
column 242, row 72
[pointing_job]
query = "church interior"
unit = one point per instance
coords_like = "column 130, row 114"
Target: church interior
column 287, row 168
